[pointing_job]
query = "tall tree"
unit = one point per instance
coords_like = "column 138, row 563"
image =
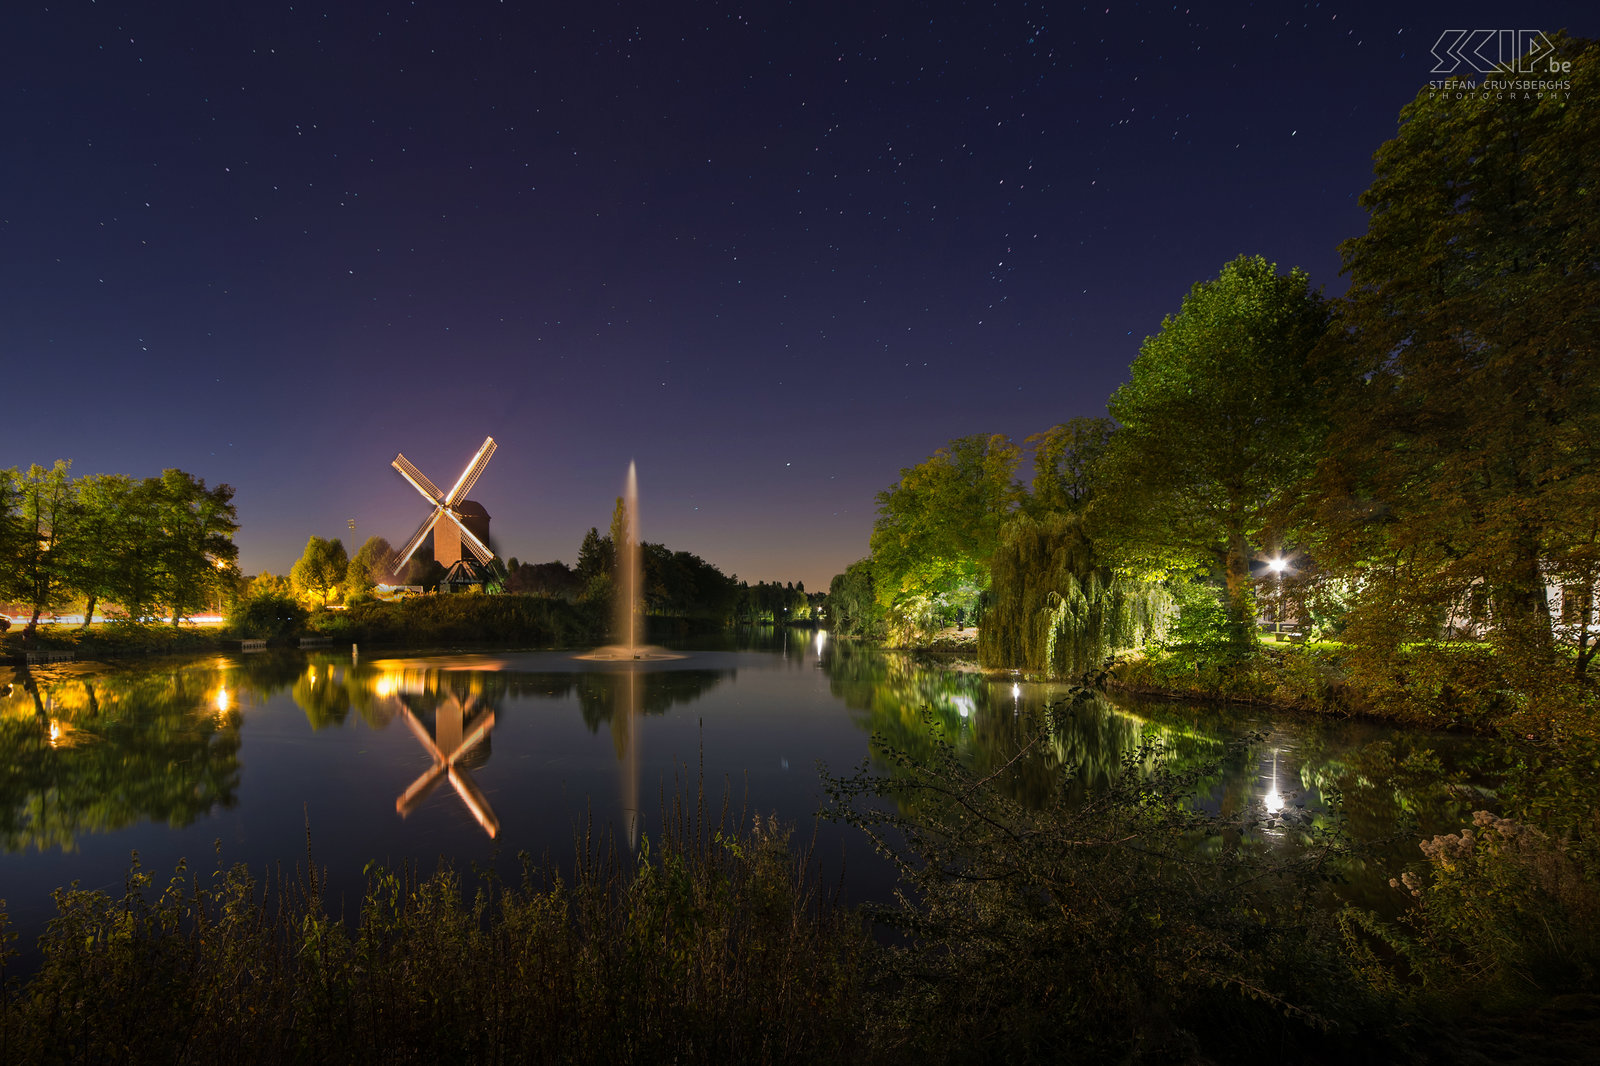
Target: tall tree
column 852, row 607
column 1467, row 453
column 937, row 528
column 44, row 515
column 197, row 550
column 104, row 505
column 320, row 568
column 372, row 565
column 1220, row 417
column 1064, row 459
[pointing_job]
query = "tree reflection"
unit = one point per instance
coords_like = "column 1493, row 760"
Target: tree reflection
column 85, row 755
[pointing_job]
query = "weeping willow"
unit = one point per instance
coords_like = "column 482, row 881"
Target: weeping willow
column 1055, row 608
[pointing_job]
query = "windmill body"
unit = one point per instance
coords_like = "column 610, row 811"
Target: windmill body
column 459, row 526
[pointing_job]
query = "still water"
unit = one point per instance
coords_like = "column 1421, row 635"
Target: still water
column 474, row 757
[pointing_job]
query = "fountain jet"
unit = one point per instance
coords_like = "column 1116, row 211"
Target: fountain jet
column 628, row 583
column 625, row 533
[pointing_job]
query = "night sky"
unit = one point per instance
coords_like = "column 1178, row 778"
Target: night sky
column 773, row 252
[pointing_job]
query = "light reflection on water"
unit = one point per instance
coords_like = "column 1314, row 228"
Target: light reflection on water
column 537, row 747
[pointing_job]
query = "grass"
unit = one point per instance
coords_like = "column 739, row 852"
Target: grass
column 714, row 944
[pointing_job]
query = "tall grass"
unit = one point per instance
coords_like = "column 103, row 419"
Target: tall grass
column 713, row 944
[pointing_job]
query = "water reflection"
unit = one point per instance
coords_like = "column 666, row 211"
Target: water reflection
column 457, row 741
column 86, row 754
column 94, row 751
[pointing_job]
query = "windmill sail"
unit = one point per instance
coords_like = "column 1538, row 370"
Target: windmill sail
column 450, row 533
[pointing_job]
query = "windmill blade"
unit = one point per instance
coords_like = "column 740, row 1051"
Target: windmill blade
column 472, row 739
column 470, row 475
column 416, row 539
column 467, row 789
column 418, row 479
column 474, row 545
column 420, row 789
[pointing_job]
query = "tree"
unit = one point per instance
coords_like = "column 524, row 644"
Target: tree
column 1219, row 419
column 320, row 568
column 104, row 502
column 1057, row 607
column 936, row 529
column 44, row 514
column 1467, row 450
column 128, row 519
column 1064, row 459
column 851, row 606
column 197, row 550
column 372, row 565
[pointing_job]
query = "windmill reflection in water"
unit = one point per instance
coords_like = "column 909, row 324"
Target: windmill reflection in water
column 457, row 741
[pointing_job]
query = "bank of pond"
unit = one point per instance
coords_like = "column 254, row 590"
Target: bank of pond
column 523, row 856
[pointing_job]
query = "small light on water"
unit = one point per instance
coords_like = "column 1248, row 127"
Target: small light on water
column 223, row 700
column 1016, row 691
column 1273, row 800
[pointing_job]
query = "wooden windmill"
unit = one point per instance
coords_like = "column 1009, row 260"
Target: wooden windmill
column 456, row 522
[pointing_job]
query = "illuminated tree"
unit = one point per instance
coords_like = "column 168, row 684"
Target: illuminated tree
column 372, row 565
column 197, row 549
column 39, row 575
column 1467, row 451
column 1220, row 418
column 1064, row 459
column 319, row 569
column 937, row 528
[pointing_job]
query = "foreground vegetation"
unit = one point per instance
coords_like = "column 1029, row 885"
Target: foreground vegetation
column 1121, row 924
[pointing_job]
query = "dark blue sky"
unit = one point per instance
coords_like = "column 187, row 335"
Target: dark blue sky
column 773, row 252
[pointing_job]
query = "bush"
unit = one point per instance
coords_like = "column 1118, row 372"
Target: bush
column 463, row 618
column 1501, row 915
column 268, row 617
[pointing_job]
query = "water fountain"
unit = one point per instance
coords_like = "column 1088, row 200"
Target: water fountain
column 629, row 592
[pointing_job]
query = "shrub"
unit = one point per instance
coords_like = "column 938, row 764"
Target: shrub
column 1500, row 914
column 269, row 616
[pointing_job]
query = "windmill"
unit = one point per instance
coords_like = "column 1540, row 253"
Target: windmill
column 456, row 521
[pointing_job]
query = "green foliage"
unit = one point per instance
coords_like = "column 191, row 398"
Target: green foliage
column 372, row 565
column 195, row 548
column 1202, row 632
column 267, row 616
column 1064, row 460
column 1305, row 678
column 320, row 569
column 431, row 620
column 1220, row 418
column 852, row 604
column 1056, row 608
column 157, row 543
column 1094, row 928
column 713, row 945
column 1467, row 445
column 1500, row 915
column 936, row 531
column 38, row 572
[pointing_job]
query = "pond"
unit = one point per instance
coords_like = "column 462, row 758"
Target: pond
column 473, row 757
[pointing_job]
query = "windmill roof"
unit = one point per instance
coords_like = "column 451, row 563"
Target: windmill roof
column 471, row 508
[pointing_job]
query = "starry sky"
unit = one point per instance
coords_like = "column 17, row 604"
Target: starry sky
column 773, row 252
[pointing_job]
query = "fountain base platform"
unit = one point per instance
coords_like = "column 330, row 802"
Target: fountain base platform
column 620, row 653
